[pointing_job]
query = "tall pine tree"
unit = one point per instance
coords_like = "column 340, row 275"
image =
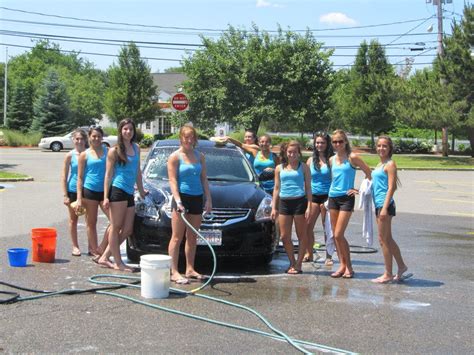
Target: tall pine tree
column 130, row 88
column 20, row 113
column 51, row 112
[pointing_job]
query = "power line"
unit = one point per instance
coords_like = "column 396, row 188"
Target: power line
column 127, row 30
column 202, row 29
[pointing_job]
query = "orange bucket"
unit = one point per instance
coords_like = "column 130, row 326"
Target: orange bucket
column 44, row 244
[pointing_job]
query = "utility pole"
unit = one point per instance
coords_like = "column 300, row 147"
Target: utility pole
column 5, row 89
column 440, row 51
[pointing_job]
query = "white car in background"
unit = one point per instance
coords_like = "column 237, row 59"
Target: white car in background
column 57, row 144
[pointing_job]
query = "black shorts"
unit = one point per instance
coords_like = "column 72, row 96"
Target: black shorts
column 117, row 195
column 72, row 196
column 192, row 203
column 319, row 199
column 342, row 203
column 392, row 210
column 293, row 206
column 93, row 195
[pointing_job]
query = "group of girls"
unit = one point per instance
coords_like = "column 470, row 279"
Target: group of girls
column 103, row 177
column 301, row 191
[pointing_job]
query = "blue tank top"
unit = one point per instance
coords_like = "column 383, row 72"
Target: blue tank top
column 292, row 182
column 343, row 176
column 320, row 180
column 94, row 174
column 125, row 175
column 72, row 179
column 379, row 186
column 260, row 164
column 189, row 176
column 250, row 157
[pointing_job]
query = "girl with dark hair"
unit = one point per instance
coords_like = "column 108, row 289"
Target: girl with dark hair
column 122, row 173
column 292, row 201
column 189, row 186
column 250, row 144
column 69, row 184
column 90, row 184
column 384, row 184
column 320, row 183
column 265, row 163
column 342, row 197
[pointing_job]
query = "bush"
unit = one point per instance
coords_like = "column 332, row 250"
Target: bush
column 15, row 138
column 201, row 135
column 110, row 131
column 412, row 147
column 355, row 143
column 139, row 135
column 147, row 140
column 276, row 140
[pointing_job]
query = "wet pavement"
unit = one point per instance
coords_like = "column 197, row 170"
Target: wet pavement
column 430, row 313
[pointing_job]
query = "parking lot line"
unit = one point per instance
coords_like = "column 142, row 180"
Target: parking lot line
column 463, row 215
column 449, row 200
column 443, row 182
column 448, row 191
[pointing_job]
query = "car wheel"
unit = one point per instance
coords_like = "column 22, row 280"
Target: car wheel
column 56, row 146
column 132, row 255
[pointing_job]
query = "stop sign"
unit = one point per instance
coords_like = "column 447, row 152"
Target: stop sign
column 180, row 102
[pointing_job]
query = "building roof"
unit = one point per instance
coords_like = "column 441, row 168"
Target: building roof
column 168, row 82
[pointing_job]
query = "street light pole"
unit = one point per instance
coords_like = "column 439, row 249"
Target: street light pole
column 5, row 89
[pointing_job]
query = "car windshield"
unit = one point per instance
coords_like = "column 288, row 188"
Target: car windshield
column 222, row 165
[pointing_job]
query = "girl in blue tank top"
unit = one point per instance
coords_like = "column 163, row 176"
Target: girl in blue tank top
column 292, row 201
column 320, row 182
column 122, row 174
column 90, row 185
column 69, row 184
column 265, row 163
column 190, row 189
column 342, row 197
column 384, row 184
column 250, row 145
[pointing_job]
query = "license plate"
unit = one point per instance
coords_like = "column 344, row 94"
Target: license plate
column 213, row 236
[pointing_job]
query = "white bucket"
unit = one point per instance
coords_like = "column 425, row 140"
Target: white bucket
column 155, row 275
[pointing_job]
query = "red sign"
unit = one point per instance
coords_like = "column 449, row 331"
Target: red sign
column 180, row 102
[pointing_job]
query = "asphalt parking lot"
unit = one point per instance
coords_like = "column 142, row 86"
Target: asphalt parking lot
column 430, row 313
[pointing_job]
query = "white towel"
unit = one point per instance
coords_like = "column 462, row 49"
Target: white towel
column 330, row 246
column 365, row 202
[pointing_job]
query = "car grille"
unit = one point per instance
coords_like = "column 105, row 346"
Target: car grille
column 225, row 216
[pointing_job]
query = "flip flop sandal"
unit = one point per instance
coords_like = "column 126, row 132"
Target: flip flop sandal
column 403, row 277
column 181, row 281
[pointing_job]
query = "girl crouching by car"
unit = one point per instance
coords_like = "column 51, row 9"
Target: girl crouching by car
column 189, row 187
column 292, row 201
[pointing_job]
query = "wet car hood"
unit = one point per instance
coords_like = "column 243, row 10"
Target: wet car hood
column 225, row 194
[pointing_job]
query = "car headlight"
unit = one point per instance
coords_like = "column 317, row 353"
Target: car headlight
column 264, row 210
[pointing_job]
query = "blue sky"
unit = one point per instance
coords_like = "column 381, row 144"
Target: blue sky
column 182, row 21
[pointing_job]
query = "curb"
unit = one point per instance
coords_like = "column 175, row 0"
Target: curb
column 29, row 178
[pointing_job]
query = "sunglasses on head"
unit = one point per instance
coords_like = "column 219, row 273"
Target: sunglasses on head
column 95, row 126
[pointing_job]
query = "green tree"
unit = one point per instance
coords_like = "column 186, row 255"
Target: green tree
column 369, row 97
column 20, row 111
column 246, row 77
column 456, row 68
column 130, row 88
column 51, row 107
column 425, row 102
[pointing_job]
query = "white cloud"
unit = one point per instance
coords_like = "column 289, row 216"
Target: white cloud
column 265, row 3
column 336, row 18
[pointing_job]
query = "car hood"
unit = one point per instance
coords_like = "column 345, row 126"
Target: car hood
column 225, row 194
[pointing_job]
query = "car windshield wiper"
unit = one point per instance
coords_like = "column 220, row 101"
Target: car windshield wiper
column 226, row 179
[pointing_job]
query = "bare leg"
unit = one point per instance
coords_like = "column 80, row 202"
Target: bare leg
column 92, row 208
column 73, row 218
column 285, row 222
column 315, row 211
column 190, row 246
column 384, row 226
column 301, row 227
column 339, row 222
column 178, row 228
